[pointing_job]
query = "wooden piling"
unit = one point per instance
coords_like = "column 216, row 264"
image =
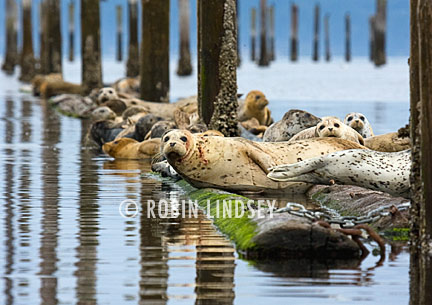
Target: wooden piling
column 253, row 34
column 347, row 37
column 327, row 37
column 372, row 38
column 155, row 51
column 11, row 56
column 71, row 30
column 119, row 19
column 264, row 58
column 421, row 175
column 54, row 38
column 380, row 32
column 43, row 41
column 132, row 65
column 27, row 60
column 238, row 33
column 217, row 62
column 184, row 67
column 272, row 54
column 294, row 33
column 91, row 73
column 315, row 54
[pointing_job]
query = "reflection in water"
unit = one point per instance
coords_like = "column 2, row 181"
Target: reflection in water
column 50, row 206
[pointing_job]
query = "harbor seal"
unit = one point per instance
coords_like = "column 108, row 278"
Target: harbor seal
column 330, row 127
column 103, row 113
column 126, row 148
column 293, row 122
column 386, row 172
column 255, row 106
column 237, row 164
column 359, row 123
column 389, row 142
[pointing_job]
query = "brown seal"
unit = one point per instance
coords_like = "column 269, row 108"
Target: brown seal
column 237, row 164
column 57, row 87
column 293, row 122
column 255, row 106
column 126, row 148
column 39, row 79
column 389, row 142
column 330, row 127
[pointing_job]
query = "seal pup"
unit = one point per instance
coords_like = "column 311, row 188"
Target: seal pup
column 330, row 127
column 293, row 122
column 107, row 94
column 255, row 106
column 127, row 148
column 359, row 123
column 386, row 172
column 237, row 164
column 103, row 113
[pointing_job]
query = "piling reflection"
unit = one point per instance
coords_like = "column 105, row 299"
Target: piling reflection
column 50, row 205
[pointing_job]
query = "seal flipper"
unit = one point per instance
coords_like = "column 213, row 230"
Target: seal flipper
column 303, row 171
column 263, row 160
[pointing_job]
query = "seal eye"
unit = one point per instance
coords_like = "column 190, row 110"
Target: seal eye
column 184, row 139
column 321, row 127
column 166, row 139
column 257, row 97
column 350, row 119
column 336, row 125
column 116, row 142
column 362, row 118
column 110, row 91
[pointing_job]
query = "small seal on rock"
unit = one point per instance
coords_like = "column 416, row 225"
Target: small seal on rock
column 359, row 123
column 255, row 106
column 293, row 122
column 386, row 172
column 126, row 148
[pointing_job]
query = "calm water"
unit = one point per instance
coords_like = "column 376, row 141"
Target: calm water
column 63, row 241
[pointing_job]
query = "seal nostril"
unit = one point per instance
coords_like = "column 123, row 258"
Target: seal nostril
column 172, row 144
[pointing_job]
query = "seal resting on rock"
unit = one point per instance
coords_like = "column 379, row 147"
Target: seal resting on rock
column 126, row 148
column 359, row 123
column 293, row 122
column 255, row 106
column 237, row 164
column 330, row 127
column 386, row 172
column 389, row 142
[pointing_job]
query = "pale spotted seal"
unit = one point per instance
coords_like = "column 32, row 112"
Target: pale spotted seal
column 359, row 123
column 237, row 164
column 293, row 122
column 386, row 172
column 330, row 127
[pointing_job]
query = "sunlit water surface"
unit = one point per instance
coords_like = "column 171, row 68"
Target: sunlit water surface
column 63, row 240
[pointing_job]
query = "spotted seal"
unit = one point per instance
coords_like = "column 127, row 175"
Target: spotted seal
column 237, row 164
column 330, row 127
column 381, row 171
column 293, row 122
column 359, row 123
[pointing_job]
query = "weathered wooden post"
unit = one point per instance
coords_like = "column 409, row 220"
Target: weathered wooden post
column 54, row 38
column 155, row 51
column 43, row 26
column 327, row 37
column 217, row 62
column 132, row 65
column 272, row 54
column 294, row 33
column 264, row 58
column 11, row 56
column 184, row 64
column 27, row 61
column 71, row 29
column 380, row 32
column 91, row 66
column 347, row 37
column 119, row 18
column 315, row 53
column 372, row 38
column 238, row 31
column 253, row 34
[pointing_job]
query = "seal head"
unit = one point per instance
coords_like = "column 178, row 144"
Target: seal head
column 177, row 145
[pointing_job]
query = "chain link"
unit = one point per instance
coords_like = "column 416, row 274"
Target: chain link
column 333, row 217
